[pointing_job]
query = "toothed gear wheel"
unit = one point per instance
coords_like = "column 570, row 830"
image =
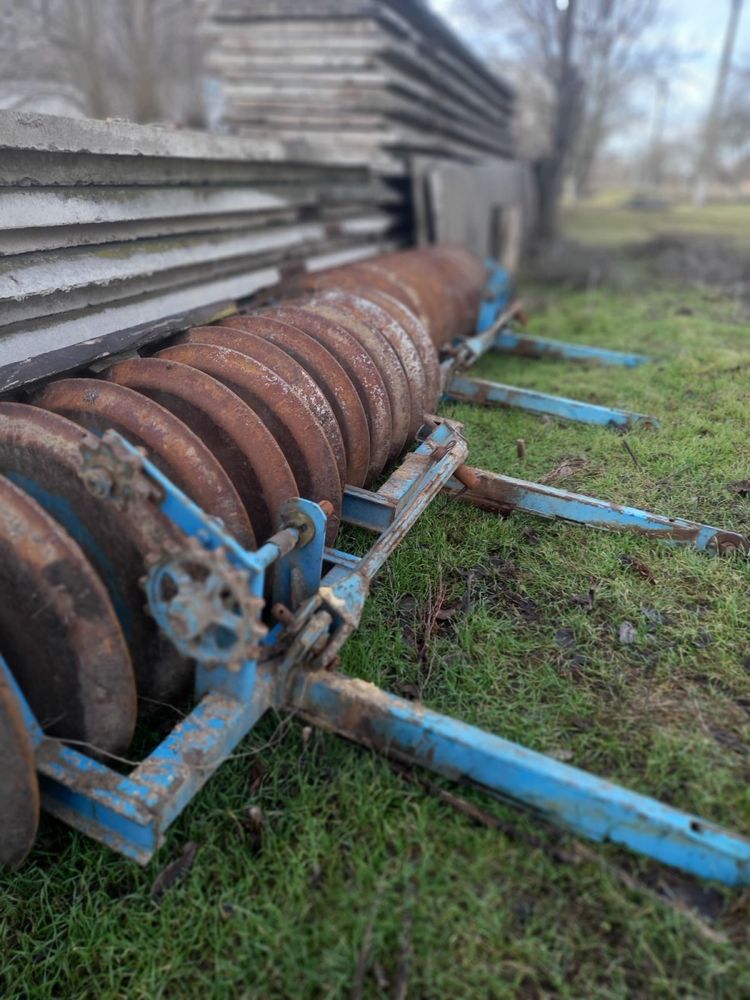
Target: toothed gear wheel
column 204, row 605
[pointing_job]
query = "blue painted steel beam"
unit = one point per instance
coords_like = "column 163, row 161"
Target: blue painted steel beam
column 541, row 347
column 131, row 814
column 367, row 510
column 584, row 804
column 497, row 293
column 471, row 390
column 503, row 493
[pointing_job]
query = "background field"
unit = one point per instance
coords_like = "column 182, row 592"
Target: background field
column 353, row 880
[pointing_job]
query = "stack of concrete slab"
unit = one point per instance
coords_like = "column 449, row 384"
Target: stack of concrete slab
column 377, row 81
column 112, row 234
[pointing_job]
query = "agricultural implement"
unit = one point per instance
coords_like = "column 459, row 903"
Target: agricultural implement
column 211, row 478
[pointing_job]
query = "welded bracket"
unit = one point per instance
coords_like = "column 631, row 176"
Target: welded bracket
column 407, row 493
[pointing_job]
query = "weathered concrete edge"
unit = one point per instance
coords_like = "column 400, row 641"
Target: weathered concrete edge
column 53, row 134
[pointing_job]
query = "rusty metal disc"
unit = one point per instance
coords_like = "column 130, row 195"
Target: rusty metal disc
column 468, row 275
column 40, row 452
column 370, row 280
column 58, row 631
column 371, row 307
column 420, row 338
column 232, row 432
column 181, row 455
column 468, row 263
column 332, row 379
column 284, row 365
column 358, row 365
column 417, row 273
column 455, row 286
column 364, row 275
column 19, row 788
column 401, row 285
column 346, row 310
column 291, row 422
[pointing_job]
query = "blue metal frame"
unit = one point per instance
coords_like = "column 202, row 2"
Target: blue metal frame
column 543, row 347
column 497, row 295
column 493, row 332
column 131, row 813
column 471, row 390
column 505, row 494
column 567, row 796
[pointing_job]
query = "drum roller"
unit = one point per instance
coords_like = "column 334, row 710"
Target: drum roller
column 299, row 399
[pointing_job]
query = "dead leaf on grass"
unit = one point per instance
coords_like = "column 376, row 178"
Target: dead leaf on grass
column 567, row 468
column 531, row 536
column 638, row 566
column 257, row 774
column 175, row 871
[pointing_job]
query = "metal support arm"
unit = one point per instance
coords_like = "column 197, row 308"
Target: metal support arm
column 542, row 347
column 505, row 494
column 473, row 390
column 580, row 802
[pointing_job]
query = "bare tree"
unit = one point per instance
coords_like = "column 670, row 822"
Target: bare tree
column 136, row 59
column 707, row 157
column 731, row 155
column 575, row 64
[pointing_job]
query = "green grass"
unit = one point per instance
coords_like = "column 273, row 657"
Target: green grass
column 355, row 859
column 607, row 222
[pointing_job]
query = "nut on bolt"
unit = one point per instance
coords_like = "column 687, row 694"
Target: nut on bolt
column 98, row 482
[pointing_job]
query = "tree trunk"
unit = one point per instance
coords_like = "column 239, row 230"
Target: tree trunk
column 549, row 170
column 707, row 160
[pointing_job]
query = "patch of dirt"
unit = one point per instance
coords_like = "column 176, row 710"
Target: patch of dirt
column 686, row 257
column 711, row 260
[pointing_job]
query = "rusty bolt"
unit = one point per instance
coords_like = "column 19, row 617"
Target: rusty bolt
column 98, row 482
column 282, row 614
column 467, row 478
column 327, row 507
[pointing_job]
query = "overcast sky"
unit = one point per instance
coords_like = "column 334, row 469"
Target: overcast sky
column 696, row 28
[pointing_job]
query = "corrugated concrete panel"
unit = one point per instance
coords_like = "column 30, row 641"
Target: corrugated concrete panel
column 112, row 234
column 372, row 81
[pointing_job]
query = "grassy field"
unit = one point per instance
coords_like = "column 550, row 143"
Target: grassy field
column 607, row 222
column 357, row 881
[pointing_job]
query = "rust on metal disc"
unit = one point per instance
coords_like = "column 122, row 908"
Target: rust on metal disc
column 284, row 365
column 58, row 631
column 380, row 272
column 376, row 316
column 468, row 275
column 362, row 276
column 439, row 304
column 360, row 368
column 342, row 308
column 420, row 338
column 332, row 379
column 173, row 447
column 19, row 788
column 232, row 432
column 291, row 422
column 40, row 451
